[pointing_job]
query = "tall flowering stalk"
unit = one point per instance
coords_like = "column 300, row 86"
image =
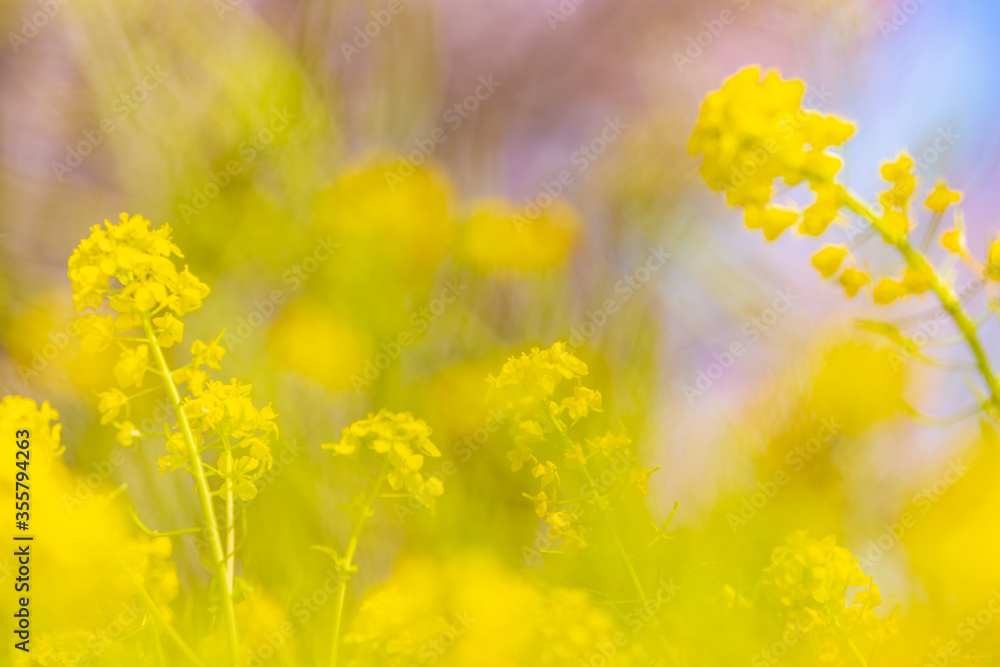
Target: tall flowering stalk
column 396, row 446
column 753, row 132
column 128, row 267
column 533, row 389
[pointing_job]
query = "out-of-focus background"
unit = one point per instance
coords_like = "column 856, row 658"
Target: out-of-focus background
column 484, row 177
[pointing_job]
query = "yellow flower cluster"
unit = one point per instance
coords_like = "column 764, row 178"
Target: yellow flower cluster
column 542, row 414
column 753, row 133
column 138, row 259
column 244, row 435
column 403, row 440
column 19, row 413
column 469, row 610
column 497, row 235
column 130, row 266
column 83, row 545
column 808, row 580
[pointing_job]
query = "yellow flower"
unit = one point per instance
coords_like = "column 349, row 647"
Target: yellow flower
column 525, row 382
column 829, row 259
column 916, row 282
column 131, row 366
column 127, row 434
column 853, row 280
column 130, row 266
column 941, row 198
column 383, row 209
column 609, row 444
column 547, row 472
column 899, row 174
column 18, row 412
column 773, row 220
column 171, row 330
column 888, row 290
column 110, row 404
column 499, row 236
column 816, row 218
column 581, row 403
column 95, row 332
column 993, row 261
column 399, row 436
column 810, row 573
column 753, row 131
column 895, row 223
column 868, row 597
column 953, row 240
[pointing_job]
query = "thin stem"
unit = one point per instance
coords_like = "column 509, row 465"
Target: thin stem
column 633, row 575
column 167, row 627
column 347, row 563
column 230, row 518
column 203, row 491
column 618, row 540
column 160, row 533
column 916, row 260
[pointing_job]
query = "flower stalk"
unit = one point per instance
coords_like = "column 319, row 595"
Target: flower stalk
column 203, row 491
column 919, row 263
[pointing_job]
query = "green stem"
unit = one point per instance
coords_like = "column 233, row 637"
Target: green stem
column 203, row 491
column 345, row 565
column 949, row 301
column 155, row 611
column 160, row 533
column 230, row 518
column 633, row 575
column 618, row 541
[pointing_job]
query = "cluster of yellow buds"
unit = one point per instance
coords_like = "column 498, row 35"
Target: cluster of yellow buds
column 18, row 413
column 753, row 133
column 129, row 267
column 807, row 582
column 530, row 388
column 404, row 441
column 139, row 260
